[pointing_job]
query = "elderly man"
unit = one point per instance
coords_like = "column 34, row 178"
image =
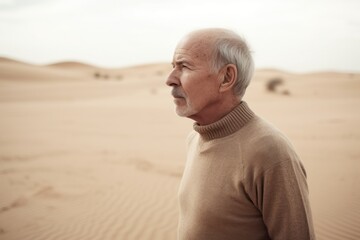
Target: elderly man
column 243, row 179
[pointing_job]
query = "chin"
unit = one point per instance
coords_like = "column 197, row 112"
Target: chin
column 180, row 112
column 185, row 111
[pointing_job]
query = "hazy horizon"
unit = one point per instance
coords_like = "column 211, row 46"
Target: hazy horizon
column 298, row 36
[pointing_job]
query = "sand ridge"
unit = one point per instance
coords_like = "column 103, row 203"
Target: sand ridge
column 95, row 153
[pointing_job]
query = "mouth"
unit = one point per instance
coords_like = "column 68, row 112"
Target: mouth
column 179, row 101
column 177, row 97
column 176, row 94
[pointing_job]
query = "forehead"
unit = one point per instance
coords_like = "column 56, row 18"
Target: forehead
column 194, row 49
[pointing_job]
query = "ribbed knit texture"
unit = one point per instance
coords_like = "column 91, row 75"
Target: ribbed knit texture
column 227, row 125
column 243, row 181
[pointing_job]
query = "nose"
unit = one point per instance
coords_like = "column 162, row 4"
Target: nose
column 173, row 79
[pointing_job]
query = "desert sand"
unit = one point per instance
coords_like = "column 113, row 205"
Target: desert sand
column 93, row 153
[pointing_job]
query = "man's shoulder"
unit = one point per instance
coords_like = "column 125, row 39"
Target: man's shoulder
column 265, row 145
column 262, row 133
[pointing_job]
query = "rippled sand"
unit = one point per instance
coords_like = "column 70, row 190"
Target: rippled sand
column 89, row 153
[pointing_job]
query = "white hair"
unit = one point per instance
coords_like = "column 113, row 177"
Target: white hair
column 230, row 48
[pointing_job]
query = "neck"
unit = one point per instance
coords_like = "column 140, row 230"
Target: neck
column 215, row 112
column 227, row 125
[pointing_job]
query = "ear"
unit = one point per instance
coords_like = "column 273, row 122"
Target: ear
column 229, row 78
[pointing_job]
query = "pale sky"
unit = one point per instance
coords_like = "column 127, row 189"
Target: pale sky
column 294, row 35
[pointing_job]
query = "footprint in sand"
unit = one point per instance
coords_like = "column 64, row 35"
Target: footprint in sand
column 143, row 165
column 147, row 166
column 47, row 192
column 21, row 201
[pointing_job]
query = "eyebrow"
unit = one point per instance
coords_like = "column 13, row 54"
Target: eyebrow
column 183, row 61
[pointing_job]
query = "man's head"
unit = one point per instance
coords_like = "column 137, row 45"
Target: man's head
column 211, row 71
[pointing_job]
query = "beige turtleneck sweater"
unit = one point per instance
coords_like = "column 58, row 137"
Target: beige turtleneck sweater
column 243, row 181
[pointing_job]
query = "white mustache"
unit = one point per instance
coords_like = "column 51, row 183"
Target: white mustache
column 176, row 92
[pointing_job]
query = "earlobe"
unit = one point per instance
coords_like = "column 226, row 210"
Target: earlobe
column 229, row 78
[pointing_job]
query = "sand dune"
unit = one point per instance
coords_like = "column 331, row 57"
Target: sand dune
column 94, row 153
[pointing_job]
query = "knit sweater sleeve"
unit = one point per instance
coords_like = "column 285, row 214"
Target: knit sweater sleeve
column 281, row 194
column 278, row 188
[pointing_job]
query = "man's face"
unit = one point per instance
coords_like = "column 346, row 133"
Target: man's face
column 195, row 85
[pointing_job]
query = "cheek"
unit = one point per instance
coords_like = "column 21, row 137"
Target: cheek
column 198, row 92
column 192, row 88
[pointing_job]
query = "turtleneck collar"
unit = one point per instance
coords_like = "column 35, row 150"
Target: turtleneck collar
column 227, row 125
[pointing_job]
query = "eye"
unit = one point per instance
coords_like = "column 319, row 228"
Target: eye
column 184, row 66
